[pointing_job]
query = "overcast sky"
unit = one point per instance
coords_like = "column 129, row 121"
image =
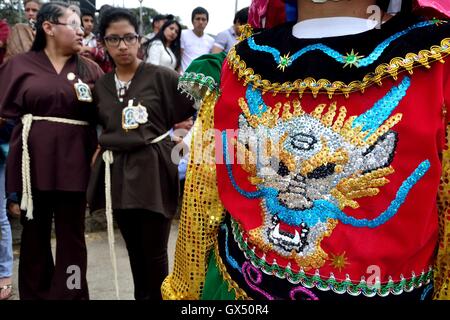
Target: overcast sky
column 221, row 12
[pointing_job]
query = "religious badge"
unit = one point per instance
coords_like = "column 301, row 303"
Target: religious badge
column 133, row 116
column 83, row 91
column 71, row 76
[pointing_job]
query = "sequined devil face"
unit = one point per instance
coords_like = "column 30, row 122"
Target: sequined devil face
column 308, row 167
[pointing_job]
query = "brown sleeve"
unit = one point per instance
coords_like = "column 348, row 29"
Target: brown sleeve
column 94, row 72
column 11, row 97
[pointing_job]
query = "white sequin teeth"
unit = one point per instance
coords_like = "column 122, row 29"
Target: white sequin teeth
column 287, row 237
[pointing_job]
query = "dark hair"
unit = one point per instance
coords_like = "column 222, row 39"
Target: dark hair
column 241, row 16
column 25, row 2
column 199, row 10
column 175, row 46
column 86, row 13
column 50, row 12
column 114, row 15
column 157, row 18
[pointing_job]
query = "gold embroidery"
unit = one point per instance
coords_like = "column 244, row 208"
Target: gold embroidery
column 339, row 262
column 353, row 135
column 339, row 157
column 201, row 215
column 442, row 274
column 246, row 32
column 308, row 262
column 232, row 285
column 300, row 86
column 359, row 187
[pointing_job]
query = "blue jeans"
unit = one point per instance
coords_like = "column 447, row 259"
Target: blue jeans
column 6, row 253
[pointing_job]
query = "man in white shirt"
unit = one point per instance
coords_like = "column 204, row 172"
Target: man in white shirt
column 228, row 38
column 196, row 42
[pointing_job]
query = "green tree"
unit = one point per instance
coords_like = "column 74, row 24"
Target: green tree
column 12, row 11
column 147, row 16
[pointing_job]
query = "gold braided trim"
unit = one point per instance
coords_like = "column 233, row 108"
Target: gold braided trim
column 201, row 214
column 384, row 70
column 232, row 285
column 442, row 273
column 246, row 32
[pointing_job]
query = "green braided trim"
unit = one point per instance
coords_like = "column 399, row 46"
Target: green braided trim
column 200, row 79
column 347, row 286
column 197, row 86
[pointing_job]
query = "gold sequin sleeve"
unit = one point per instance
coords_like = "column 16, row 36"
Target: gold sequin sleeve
column 442, row 268
column 201, row 214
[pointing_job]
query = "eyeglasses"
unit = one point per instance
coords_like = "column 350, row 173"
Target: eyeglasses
column 73, row 26
column 128, row 39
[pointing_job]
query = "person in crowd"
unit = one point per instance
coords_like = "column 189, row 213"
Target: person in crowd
column 157, row 22
column 22, row 34
column 327, row 176
column 225, row 40
column 48, row 91
column 92, row 49
column 76, row 9
column 195, row 42
column 6, row 251
column 107, row 64
column 137, row 105
column 165, row 47
column 6, row 256
column 4, row 33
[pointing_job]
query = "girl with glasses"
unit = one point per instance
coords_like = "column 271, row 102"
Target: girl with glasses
column 48, row 92
column 165, row 48
column 137, row 105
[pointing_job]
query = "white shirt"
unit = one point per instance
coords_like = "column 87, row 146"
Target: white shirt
column 90, row 41
column 150, row 36
column 194, row 46
column 158, row 55
column 332, row 27
column 226, row 39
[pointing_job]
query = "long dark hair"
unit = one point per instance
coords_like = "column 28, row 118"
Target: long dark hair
column 50, row 12
column 175, row 46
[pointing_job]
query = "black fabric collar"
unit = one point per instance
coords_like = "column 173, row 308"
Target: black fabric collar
column 318, row 65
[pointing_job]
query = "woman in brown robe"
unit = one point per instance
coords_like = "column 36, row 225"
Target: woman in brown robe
column 138, row 104
column 22, row 34
column 50, row 153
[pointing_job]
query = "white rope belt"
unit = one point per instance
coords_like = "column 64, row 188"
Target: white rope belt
column 108, row 158
column 27, row 120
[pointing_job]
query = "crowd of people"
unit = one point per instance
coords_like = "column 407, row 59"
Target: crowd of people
column 91, row 111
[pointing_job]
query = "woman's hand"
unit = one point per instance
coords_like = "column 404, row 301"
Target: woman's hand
column 96, row 153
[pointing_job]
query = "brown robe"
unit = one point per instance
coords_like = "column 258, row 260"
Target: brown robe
column 60, row 153
column 20, row 40
column 143, row 174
